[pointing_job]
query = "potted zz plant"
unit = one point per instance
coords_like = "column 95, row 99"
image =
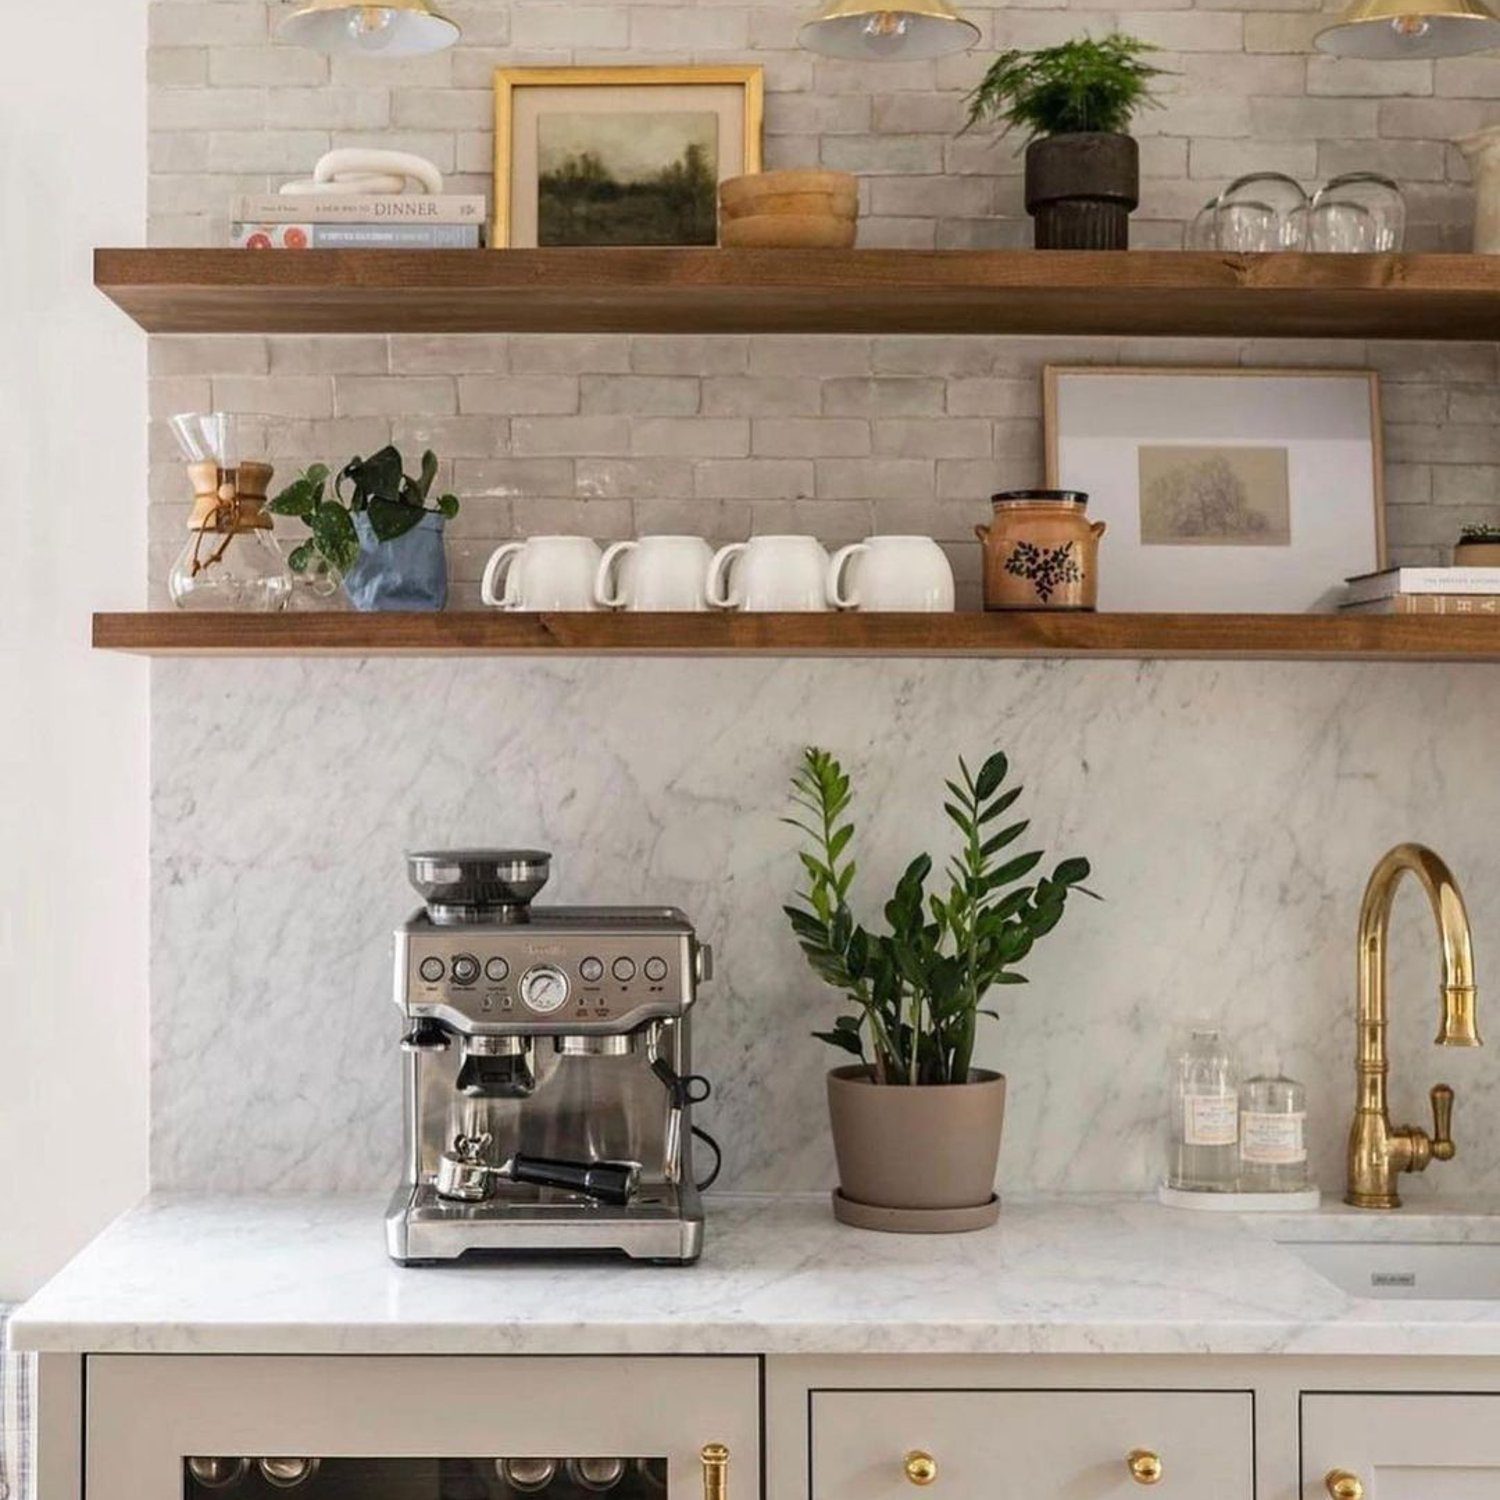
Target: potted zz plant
column 1075, row 102
column 916, row 1126
column 1477, row 547
column 385, row 540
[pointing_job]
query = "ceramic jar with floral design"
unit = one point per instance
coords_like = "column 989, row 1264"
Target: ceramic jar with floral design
column 1040, row 551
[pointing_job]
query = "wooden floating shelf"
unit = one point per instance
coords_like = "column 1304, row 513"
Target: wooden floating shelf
column 1137, row 293
column 490, row 633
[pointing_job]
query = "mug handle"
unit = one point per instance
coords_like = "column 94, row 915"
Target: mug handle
column 499, row 561
column 603, row 596
column 717, row 572
column 836, row 568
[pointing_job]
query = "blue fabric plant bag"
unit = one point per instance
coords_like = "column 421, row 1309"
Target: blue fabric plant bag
column 410, row 572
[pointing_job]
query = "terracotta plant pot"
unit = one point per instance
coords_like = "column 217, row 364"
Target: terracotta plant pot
column 1080, row 189
column 916, row 1148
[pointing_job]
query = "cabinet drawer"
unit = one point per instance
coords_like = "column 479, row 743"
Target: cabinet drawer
column 1039, row 1445
column 1418, row 1446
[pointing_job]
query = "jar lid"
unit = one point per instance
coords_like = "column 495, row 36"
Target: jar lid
column 1041, row 497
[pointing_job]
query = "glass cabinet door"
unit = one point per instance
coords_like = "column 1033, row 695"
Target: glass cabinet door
column 422, row 1428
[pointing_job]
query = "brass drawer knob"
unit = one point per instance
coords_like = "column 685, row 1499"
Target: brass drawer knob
column 1342, row 1485
column 921, row 1468
column 1144, row 1466
column 715, row 1457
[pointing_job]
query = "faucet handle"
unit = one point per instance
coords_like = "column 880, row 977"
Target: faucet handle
column 1443, row 1148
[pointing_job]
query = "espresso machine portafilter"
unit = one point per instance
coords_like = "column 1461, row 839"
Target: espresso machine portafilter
column 547, row 1073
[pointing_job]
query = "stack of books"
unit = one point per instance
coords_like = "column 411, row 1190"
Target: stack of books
column 408, row 221
column 1425, row 591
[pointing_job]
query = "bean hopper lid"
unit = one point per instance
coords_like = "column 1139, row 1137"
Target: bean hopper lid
column 464, row 886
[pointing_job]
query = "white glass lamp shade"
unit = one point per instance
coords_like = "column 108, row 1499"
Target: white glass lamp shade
column 397, row 28
column 897, row 31
column 1387, row 30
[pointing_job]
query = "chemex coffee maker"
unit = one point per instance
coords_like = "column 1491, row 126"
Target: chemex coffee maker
column 548, row 1077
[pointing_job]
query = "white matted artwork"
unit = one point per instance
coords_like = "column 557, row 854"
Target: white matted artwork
column 1255, row 491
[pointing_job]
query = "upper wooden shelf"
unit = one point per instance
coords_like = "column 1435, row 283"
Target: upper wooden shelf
column 491, row 633
column 805, row 291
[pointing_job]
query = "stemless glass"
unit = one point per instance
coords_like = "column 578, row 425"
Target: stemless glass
column 1261, row 211
column 1201, row 233
column 1365, row 199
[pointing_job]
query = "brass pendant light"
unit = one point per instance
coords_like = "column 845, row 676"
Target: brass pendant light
column 394, row 28
column 1387, row 30
column 893, row 31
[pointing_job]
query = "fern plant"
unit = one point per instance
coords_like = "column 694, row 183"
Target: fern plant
column 917, row 989
column 1081, row 85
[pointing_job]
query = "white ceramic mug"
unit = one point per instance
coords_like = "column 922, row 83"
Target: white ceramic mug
column 552, row 573
column 771, row 574
column 655, row 573
column 904, row 574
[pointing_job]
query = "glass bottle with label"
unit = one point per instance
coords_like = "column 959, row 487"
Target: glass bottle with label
column 1205, row 1116
column 1273, row 1135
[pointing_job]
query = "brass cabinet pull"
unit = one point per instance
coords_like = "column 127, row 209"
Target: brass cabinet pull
column 1342, row 1485
column 921, row 1468
column 715, row 1457
column 1144, row 1466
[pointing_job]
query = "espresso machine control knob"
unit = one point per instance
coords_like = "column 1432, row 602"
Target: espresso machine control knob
column 544, row 989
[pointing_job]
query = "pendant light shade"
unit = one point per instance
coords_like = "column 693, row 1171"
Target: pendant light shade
column 1386, row 30
column 893, row 31
column 395, row 28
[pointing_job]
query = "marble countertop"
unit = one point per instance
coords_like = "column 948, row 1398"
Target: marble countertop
column 778, row 1276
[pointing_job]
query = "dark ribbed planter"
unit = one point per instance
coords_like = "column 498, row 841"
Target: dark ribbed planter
column 1080, row 190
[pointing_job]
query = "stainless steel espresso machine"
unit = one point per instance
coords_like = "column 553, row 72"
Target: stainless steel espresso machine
column 548, row 1078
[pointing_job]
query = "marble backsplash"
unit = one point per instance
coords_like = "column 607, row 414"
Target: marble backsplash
column 1232, row 812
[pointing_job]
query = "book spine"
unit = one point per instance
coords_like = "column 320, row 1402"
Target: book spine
column 1428, row 604
column 357, row 236
column 411, row 208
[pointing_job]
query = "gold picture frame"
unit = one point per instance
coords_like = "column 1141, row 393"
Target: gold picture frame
column 517, row 224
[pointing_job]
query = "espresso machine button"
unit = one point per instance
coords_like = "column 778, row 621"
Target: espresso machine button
column 544, row 988
column 623, row 969
column 432, row 970
column 656, row 970
column 497, row 971
column 591, row 970
column 465, row 968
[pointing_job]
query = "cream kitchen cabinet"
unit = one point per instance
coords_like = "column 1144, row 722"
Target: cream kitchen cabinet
column 1407, row 1446
column 1040, row 1444
column 420, row 1428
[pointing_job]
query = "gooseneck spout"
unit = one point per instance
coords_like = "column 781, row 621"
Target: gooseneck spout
column 1379, row 1151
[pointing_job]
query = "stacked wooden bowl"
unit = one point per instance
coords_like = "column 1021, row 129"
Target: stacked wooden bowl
column 789, row 211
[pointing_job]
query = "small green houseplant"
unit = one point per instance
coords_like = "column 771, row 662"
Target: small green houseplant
column 385, row 540
column 1075, row 103
column 916, row 1125
column 1477, row 547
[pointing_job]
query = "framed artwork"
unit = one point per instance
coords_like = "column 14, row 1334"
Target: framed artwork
column 620, row 156
column 1255, row 491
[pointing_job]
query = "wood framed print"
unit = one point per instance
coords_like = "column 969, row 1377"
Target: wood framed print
column 620, row 156
column 1254, row 491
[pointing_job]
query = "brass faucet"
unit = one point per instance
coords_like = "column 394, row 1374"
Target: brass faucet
column 1379, row 1151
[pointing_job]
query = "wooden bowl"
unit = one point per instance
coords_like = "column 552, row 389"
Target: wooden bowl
column 787, row 232
column 800, row 193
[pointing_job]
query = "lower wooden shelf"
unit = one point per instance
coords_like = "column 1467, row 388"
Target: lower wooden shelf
column 492, row 633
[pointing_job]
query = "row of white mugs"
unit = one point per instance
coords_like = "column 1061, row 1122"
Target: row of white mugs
column 767, row 574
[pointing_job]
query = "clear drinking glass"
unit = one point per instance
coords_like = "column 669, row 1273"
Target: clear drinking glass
column 1273, row 1134
column 1205, row 1115
column 1365, row 199
column 1261, row 211
column 1201, row 233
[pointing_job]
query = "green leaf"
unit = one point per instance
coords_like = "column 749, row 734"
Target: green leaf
column 378, row 477
column 1015, row 868
column 1006, row 836
column 1000, row 805
column 301, row 557
column 448, row 506
column 1071, row 871
column 335, row 535
column 846, row 1041
column 390, row 519
column 429, row 473
column 298, row 498
column 991, row 774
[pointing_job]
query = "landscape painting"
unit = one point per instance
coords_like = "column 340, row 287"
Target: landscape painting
column 627, row 178
column 1227, row 496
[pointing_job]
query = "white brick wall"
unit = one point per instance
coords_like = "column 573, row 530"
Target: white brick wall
column 612, row 434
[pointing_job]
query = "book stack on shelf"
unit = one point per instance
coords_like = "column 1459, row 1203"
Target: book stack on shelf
column 1425, row 591
column 342, row 221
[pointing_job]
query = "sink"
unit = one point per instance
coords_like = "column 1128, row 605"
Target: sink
column 1391, row 1269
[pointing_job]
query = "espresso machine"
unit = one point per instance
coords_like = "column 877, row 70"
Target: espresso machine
column 547, row 1071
